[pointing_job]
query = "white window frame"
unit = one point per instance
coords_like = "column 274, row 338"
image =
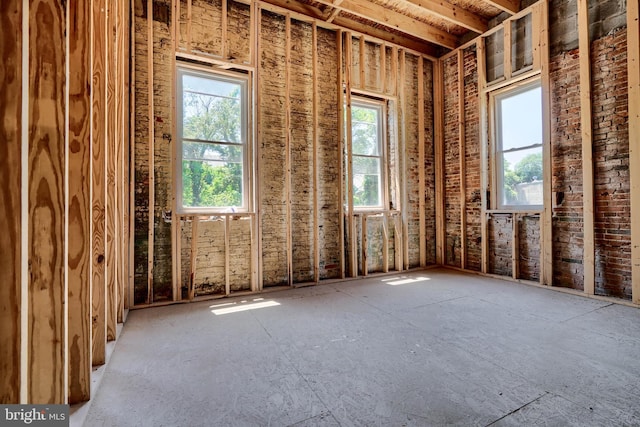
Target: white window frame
column 381, row 106
column 246, row 137
column 497, row 152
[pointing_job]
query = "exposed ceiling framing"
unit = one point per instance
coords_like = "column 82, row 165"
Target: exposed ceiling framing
column 433, row 27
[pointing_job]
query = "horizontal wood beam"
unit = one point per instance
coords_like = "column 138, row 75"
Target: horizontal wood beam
column 349, row 24
column 510, row 6
column 453, row 14
column 381, row 15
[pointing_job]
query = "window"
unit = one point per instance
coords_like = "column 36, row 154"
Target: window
column 518, row 147
column 367, row 153
column 212, row 132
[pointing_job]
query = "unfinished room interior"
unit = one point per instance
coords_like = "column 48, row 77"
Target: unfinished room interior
column 321, row 212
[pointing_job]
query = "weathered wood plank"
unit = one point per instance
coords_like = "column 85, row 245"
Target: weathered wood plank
column 99, row 105
column 79, row 260
column 11, row 168
column 47, row 382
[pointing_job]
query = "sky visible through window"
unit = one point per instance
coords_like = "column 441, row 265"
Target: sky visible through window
column 521, row 123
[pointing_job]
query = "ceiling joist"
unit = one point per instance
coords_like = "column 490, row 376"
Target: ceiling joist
column 453, row 14
column 381, row 15
column 510, row 6
column 349, row 24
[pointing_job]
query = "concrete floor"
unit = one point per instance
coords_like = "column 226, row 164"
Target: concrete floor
column 426, row 348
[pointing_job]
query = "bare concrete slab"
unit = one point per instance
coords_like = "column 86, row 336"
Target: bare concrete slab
column 426, row 348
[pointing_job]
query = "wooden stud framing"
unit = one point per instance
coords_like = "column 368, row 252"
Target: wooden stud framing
column 546, row 251
column 151, row 141
column 288, row 148
column 120, row 182
column 188, row 24
column 515, row 243
column 365, row 243
column 99, row 195
column 439, row 163
column 340, row 154
column 316, row 179
column 462, row 149
column 47, row 294
column 385, row 243
column 633, row 64
column 194, row 257
column 132, row 158
column 349, row 175
column 536, row 22
column 587, row 149
column 404, row 161
column 12, row 215
column 177, row 235
column 112, row 156
column 363, row 78
column 227, row 240
column 79, row 169
column 394, row 70
column 383, row 67
column 223, row 39
column 258, row 156
column 421, row 159
column 176, row 228
column 507, row 46
column 482, row 83
column 397, row 243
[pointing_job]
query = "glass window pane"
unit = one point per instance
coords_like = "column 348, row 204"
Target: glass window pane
column 216, row 87
column 364, row 139
column 522, row 177
column 520, row 118
column 364, row 130
column 212, row 183
column 211, row 118
column 211, row 152
column 367, row 187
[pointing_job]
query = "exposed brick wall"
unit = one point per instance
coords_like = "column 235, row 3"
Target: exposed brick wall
column 566, row 144
column 412, row 160
column 209, row 245
column 611, row 165
column 329, row 157
column 272, row 166
column 473, row 200
column 301, row 94
column 451, row 163
column 141, row 219
column 429, row 164
column 500, row 234
column 239, row 32
column 206, row 26
column 529, row 247
column 163, row 84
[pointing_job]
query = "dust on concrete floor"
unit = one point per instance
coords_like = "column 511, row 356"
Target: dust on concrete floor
column 425, row 348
